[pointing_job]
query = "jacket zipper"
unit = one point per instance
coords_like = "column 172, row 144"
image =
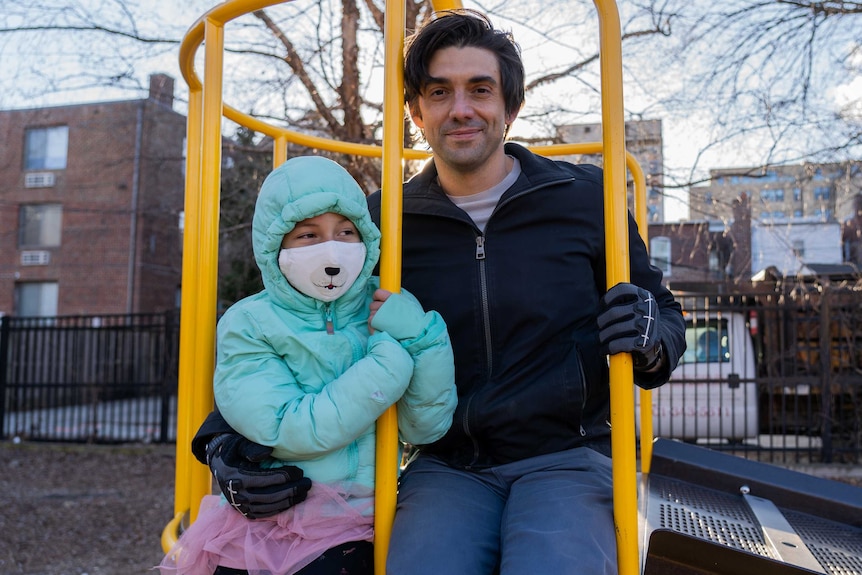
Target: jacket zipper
column 486, row 311
column 486, row 322
column 330, row 326
column 583, row 431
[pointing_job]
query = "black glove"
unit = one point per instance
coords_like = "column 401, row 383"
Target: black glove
column 629, row 323
column 254, row 491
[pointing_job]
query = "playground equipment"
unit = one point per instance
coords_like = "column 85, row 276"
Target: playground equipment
column 669, row 548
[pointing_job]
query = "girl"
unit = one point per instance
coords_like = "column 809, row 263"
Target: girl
column 306, row 367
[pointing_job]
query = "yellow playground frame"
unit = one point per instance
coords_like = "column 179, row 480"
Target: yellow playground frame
column 197, row 318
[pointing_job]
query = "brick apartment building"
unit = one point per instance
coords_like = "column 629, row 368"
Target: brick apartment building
column 90, row 201
column 703, row 252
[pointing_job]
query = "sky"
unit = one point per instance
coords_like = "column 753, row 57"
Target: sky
column 34, row 61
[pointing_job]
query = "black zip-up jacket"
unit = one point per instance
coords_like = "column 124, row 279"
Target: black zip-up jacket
column 521, row 302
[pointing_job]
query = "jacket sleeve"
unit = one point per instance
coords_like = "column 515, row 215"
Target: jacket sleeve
column 212, row 426
column 672, row 324
column 258, row 395
column 425, row 410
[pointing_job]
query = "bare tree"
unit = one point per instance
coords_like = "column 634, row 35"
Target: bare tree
column 770, row 80
column 313, row 66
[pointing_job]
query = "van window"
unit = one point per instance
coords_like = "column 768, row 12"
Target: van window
column 707, row 342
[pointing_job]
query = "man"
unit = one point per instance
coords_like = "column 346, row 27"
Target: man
column 509, row 248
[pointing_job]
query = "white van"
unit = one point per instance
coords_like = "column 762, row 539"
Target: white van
column 712, row 394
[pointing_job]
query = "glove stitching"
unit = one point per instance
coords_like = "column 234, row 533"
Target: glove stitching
column 233, row 500
column 650, row 317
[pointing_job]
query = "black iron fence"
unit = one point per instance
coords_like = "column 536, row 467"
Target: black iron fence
column 774, row 376
column 107, row 378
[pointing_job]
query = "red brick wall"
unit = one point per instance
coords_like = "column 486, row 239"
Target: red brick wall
column 107, row 157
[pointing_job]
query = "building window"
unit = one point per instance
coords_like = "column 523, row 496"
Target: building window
column 772, row 196
column 713, row 261
column 821, row 193
column 799, row 248
column 36, row 299
column 46, row 148
column 39, row 225
column 660, row 253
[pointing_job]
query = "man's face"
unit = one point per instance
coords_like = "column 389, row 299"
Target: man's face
column 462, row 109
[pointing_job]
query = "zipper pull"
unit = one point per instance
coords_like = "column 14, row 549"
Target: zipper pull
column 480, row 247
column 330, row 328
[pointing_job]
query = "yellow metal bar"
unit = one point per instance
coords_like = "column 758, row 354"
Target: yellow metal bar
column 446, row 5
column 617, row 255
column 211, row 151
column 646, row 427
column 171, row 532
column 198, row 304
column 186, row 368
column 386, row 470
column 221, row 14
column 279, row 150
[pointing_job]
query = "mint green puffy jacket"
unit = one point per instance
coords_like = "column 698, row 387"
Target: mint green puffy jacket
column 282, row 380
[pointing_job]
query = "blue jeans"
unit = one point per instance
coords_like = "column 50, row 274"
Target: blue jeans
column 546, row 514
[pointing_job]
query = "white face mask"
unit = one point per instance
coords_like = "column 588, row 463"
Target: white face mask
column 323, row 271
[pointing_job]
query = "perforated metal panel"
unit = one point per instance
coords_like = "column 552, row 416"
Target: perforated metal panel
column 837, row 547
column 705, row 514
column 724, row 518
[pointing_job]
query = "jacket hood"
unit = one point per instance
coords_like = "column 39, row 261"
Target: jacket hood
column 302, row 188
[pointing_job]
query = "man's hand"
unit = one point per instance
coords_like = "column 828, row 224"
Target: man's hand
column 629, row 323
column 254, row 491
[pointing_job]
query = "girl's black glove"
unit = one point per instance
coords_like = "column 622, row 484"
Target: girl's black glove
column 251, row 489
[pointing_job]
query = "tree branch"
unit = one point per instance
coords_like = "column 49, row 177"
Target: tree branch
column 295, row 62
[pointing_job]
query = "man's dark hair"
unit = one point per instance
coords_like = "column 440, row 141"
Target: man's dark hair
column 462, row 29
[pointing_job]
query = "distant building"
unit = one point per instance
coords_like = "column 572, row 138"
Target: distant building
column 823, row 192
column 796, row 215
column 703, row 252
column 738, row 249
column 790, row 247
column 90, row 201
column 643, row 141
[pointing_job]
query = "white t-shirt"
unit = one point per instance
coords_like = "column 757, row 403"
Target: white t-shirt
column 480, row 206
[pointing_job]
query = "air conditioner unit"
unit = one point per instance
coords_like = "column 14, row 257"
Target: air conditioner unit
column 35, row 258
column 39, row 180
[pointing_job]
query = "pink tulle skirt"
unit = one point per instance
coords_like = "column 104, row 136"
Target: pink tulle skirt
column 278, row 545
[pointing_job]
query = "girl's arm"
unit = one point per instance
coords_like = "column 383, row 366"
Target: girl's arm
column 425, row 410
column 258, row 395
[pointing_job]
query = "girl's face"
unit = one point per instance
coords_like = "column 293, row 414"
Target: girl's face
column 323, row 228
column 322, row 256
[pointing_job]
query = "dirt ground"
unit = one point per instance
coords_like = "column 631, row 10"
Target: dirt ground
column 70, row 509
column 84, row 509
